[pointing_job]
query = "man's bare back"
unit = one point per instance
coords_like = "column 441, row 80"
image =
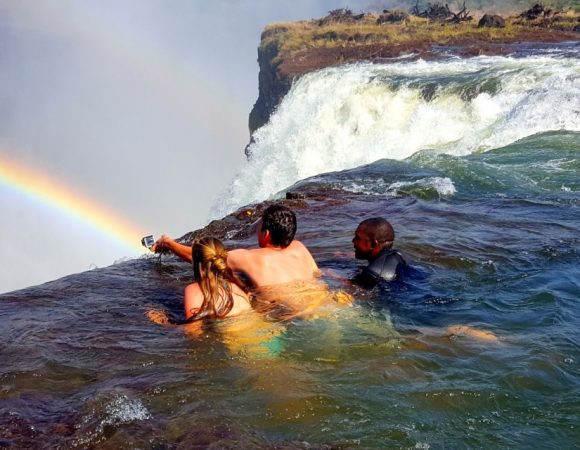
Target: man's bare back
column 282, row 272
column 271, row 265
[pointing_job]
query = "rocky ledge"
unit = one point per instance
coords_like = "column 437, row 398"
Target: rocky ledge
column 290, row 50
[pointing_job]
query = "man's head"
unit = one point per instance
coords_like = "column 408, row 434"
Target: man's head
column 278, row 227
column 372, row 236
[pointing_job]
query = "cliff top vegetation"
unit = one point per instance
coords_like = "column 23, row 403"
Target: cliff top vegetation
column 391, row 33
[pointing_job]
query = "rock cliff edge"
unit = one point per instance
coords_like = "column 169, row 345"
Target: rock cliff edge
column 290, row 50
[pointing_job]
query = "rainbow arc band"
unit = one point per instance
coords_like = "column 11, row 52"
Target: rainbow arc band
column 43, row 189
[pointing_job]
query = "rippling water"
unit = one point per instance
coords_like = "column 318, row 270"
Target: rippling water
column 493, row 234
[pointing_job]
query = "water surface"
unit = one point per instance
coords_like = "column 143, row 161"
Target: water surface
column 491, row 226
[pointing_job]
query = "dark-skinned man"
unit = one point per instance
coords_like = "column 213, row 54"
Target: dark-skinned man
column 373, row 242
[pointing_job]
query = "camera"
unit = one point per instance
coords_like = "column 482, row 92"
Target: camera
column 148, row 241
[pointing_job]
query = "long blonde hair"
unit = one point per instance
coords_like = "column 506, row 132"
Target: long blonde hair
column 215, row 278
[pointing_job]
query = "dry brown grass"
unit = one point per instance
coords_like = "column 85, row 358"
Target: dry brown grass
column 292, row 37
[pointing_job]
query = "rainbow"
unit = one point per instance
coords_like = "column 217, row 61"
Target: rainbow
column 37, row 185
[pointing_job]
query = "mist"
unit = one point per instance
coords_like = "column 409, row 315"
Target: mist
column 139, row 106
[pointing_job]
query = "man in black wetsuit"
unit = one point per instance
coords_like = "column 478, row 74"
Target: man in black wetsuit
column 373, row 241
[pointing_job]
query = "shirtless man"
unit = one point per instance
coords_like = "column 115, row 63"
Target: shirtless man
column 282, row 272
column 279, row 260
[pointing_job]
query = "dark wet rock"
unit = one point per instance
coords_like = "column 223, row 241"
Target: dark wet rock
column 240, row 224
column 392, row 17
column 491, row 21
column 245, row 213
column 248, row 149
column 63, row 429
column 295, row 195
column 320, row 194
column 221, row 434
column 226, row 434
column 17, row 432
column 18, row 429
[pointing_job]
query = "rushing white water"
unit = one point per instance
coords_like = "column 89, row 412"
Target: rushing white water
column 442, row 185
column 344, row 117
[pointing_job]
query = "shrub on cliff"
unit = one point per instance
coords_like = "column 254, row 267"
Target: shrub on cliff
column 342, row 15
column 392, row 17
column 535, row 11
column 491, row 21
column 542, row 17
column 434, row 11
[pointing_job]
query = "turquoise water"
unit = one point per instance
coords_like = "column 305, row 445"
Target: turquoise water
column 493, row 235
column 82, row 365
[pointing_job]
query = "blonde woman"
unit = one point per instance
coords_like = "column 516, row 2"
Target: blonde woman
column 217, row 292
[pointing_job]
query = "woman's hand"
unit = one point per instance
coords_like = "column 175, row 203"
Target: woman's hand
column 157, row 316
column 163, row 243
column 167, row 245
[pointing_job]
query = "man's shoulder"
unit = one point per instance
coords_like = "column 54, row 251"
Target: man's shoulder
column 388, row 266
column 255, row 254
column 237, row 253
column 240, row 258
column 248, row 256
column 302, row 251
column 297, row 245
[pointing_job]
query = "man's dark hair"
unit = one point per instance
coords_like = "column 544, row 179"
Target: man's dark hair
column 379, row 229
column 281, row 223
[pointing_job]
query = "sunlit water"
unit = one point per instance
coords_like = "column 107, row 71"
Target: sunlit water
column 494, row 237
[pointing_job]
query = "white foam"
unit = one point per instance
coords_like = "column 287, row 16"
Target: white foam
column 124, row 410
column 443, row 185
column 117, row 411
column 377, row 187
column 341, row 118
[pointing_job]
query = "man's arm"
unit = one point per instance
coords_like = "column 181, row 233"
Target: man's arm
column 166, row 243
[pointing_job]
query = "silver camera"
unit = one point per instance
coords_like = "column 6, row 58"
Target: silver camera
column 148, row 241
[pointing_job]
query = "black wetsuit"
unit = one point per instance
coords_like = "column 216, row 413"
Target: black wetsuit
column 389, row 265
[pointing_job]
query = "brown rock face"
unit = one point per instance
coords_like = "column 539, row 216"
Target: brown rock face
column 273, row 86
